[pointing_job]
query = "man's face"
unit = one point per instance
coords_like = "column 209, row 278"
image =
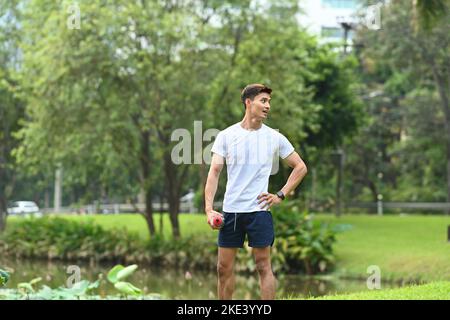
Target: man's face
column 260, row 106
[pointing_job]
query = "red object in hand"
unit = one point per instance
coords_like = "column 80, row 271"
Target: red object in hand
column 218, row 221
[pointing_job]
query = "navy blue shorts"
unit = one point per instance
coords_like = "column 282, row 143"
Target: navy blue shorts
column 257, row 226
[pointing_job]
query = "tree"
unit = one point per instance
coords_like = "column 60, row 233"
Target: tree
column 121, row 84
column 104, row 100
column 314, row 101
column 11, row 107
column 429, row 12
column 422, row 55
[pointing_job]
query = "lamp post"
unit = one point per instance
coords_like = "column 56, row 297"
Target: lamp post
column 380, row 196
column 338, row 157
column 347, row 25
column 338, row 154
column 58, row 189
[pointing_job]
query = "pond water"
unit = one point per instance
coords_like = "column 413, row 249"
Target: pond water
column 177, row 284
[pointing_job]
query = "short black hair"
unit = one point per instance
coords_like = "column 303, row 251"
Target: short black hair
column 252, row 90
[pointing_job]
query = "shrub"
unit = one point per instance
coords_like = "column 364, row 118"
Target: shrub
column 62, row 239
column 58, row 238
column 302, row 244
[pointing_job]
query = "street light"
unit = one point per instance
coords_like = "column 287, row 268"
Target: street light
column 380, row 196
column 338, row 157
column 347, row 24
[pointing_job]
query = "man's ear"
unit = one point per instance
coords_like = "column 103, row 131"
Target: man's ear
column 249, row 101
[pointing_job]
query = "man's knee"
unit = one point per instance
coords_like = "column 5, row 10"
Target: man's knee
column 263, row 267
column 224, row 270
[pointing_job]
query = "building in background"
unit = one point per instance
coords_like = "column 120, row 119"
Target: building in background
column 329, row 18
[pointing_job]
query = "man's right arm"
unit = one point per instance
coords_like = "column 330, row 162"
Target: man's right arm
column 211, row 185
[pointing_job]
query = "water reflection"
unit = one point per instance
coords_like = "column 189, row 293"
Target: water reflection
column 177, row 284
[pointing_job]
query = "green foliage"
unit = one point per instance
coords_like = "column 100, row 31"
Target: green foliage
column 64, row 239
column 12, row 108
column 302, row 244
column 124, row 81
column 400, row 150
column 28, row 287
column 80, row 290
column 118, row 273
column 4, row 277
column 56, row 238
column 335, row 88
column 431, row 11
column 113, row 274
column 127, row 288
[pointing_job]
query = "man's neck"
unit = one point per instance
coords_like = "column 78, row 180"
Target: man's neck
column 251, row 124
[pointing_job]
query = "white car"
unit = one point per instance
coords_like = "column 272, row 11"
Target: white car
column 25, row 208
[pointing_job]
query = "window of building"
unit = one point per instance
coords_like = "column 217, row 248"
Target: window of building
column 340, row 4
column 332, row 32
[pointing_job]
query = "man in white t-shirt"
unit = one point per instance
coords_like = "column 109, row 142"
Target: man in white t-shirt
column 250, row 150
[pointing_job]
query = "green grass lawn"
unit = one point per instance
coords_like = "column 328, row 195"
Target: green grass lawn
column 406, row 248
column 190, row 224
column 431, row 291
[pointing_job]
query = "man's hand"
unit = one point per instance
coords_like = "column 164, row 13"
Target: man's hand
column 268, row 200
column 210, row 214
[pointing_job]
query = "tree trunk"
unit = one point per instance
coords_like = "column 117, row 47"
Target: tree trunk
column 373, row 188
column 161, row 211
column 145, row 178
column 174, row 210
column 174, row 184
column 173, row 194
column 443, row 93
column 3, row 196
column 313, row 188
column 448, row 171
column 149, row 213
column 3, row 213
column 203, row 177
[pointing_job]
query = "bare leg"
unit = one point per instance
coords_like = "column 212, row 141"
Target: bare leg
column 225, row 273
column 266, row 277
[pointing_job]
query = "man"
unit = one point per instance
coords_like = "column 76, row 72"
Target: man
column 248, row 148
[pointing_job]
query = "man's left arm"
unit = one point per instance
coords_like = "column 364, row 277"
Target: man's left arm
column 294, row 161
column 298, row 173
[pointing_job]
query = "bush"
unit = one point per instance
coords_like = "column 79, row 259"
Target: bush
column 302, row 244
column 62, row 239
column 58, row 238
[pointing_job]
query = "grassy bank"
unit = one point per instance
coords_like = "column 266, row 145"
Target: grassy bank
column 406, row 248
column 412, row 248
column 190, row 224
column 431, row 291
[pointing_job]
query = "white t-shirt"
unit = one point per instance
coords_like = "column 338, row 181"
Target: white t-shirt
column 251, row 156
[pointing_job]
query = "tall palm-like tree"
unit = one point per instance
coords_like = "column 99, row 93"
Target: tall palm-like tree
column 427, row 12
